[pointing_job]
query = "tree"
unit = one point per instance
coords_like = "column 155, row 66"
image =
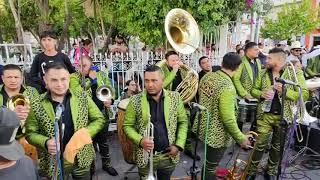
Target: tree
column 14, row 7
column 293, row 20
column 7, row 29
column 145, row 18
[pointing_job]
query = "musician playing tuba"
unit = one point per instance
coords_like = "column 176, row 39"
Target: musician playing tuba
column 94, row 81
column 269, row 94
column 166, row 112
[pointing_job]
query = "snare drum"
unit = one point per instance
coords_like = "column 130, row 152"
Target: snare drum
column 125, row 142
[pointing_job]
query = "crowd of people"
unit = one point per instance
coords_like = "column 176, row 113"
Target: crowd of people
column 61, row 91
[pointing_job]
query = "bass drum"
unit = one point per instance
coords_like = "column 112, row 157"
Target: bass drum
column 125, row 142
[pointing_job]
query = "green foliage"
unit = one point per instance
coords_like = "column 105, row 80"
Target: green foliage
column 7, row 27
column 142, row 18
column 293, row 20
column 145, row 18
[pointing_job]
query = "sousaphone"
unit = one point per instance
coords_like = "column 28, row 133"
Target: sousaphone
column 184, row 36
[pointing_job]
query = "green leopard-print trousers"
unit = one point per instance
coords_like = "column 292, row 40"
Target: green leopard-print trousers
column 267, row 127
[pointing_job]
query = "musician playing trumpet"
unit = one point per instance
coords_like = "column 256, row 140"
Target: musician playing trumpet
column 13, row 85
column 93, row 80
column 269, row 94
column 166, row 112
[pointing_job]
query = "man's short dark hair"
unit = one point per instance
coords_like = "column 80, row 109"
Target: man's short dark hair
column 154, row 68
column 279, row 51
column 169, row 53
column 55, row 65
column 276, row 50
column 249, row 45
column 231, row 61
column 11, row 67
column 203, row 57
column 50, row 34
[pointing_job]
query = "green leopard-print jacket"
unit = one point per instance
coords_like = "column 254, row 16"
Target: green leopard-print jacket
column 243, row 78
column 313, row 66
column 40, row 127
column 137, row 117
column 169, row 76
column 264, row 82
column 218, row 95
column 31, row 93
column 102, row 79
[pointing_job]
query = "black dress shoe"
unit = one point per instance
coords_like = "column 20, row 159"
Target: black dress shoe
column 250, row 177
column 110, row 170
column 192, row 156
column 269, row 177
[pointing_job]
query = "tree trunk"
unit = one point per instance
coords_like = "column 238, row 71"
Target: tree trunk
column 67, row 22
column 68, row 43
column 2, row 50
column 19, row 29
column 108, row 41
column 18, row 26
column 44, row 25
column 35, row 35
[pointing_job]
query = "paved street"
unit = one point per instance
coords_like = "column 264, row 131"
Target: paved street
column 297, row 172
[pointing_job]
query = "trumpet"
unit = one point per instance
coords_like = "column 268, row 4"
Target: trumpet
column 16, row 100
column 148, row 156
column 104, row 93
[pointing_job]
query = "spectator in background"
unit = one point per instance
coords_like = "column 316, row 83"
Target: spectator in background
column 205, row 65
column 85, row 50
column 119, row 46
column 48, row 42
column 240, row 52
column 262, row 56
column 130, row 89
column 72, row 53
column 238, row 47
column 14, row 164
column 282, row 45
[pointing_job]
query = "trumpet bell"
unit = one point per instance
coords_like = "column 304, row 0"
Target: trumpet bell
column 182, row 31
column 104, row 93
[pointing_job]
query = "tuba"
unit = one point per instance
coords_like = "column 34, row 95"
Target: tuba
column 189, row 85
column 184, row 36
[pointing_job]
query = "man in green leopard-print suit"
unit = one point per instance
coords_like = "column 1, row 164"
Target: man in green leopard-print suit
column 12, row 85
column 93, row 81
column 173, row 75
column 313, row 67
column 218, row 95
column 268, row 120
column 80, row 117
column 249, row 70
column 164, row 109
